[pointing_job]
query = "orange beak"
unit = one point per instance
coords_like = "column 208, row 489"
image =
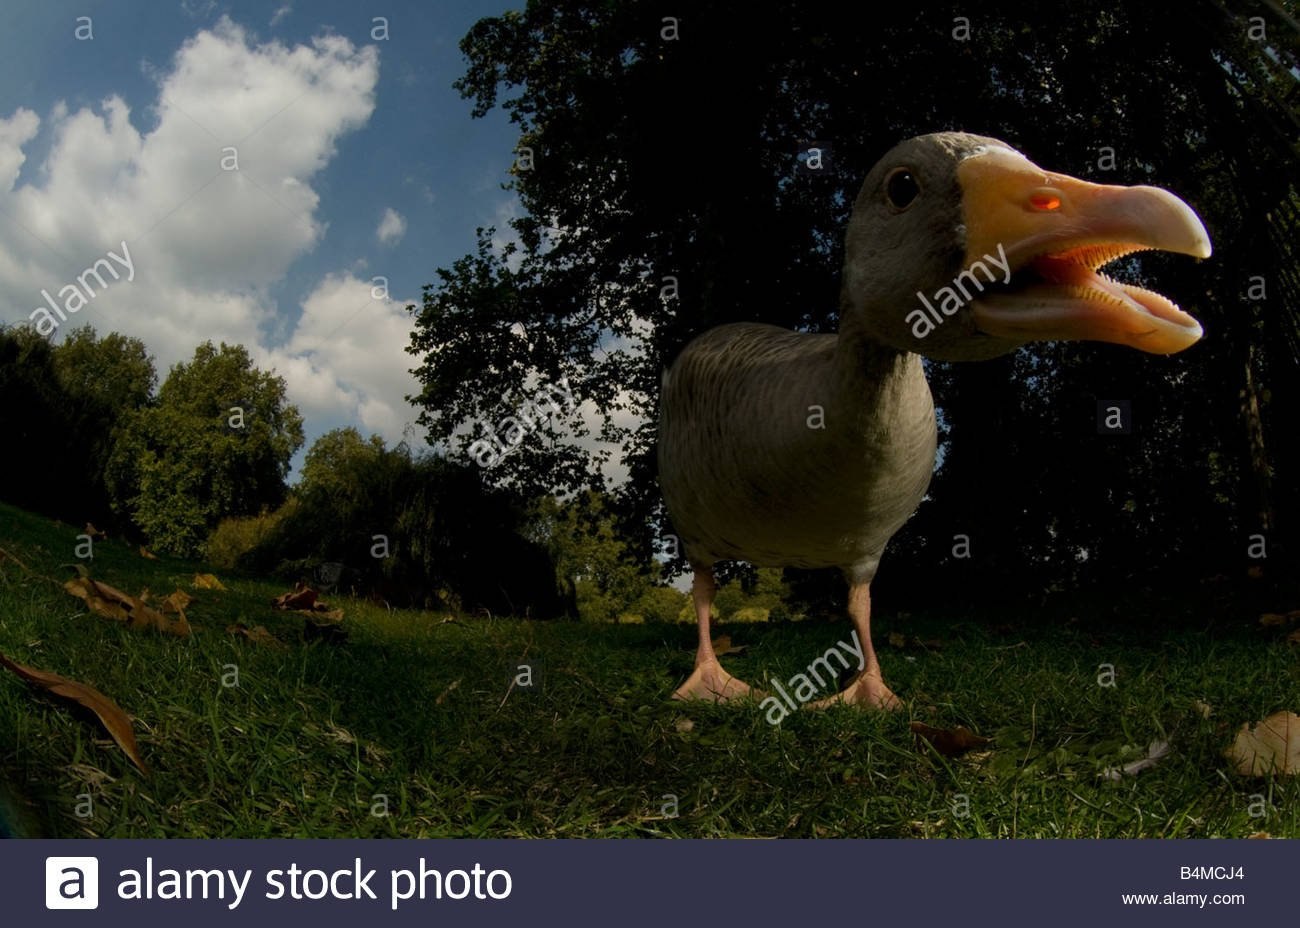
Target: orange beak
column 1053, row 232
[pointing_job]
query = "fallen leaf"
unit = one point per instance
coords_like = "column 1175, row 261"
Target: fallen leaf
column 93, row 532
column 177, row 601
column 96, row 600
column 109, row 713
column 1272, row 619
column 683, row 725
column 950, row 742
column 301, row 597
column 1156, row 752
column 897, row 640
column 1270, row 746
column 258, row 634
column 1202, row 708
column 147, row 554
column 112, row 603
column 722, row 646
column 206, row 582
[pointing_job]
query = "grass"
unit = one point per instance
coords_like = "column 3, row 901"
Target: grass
column 419, row 711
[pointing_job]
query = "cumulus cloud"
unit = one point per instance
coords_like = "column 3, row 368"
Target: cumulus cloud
column 391, row 227
column 215, row 202
column 347, row 355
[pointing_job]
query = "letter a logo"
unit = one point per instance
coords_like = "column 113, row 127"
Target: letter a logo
column 72, row 882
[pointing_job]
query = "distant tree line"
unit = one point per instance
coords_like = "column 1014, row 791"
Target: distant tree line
column 199, row 469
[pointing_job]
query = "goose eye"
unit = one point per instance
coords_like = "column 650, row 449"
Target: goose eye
column 901, row 189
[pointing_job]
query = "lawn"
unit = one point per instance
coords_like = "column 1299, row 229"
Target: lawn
column 410, row 726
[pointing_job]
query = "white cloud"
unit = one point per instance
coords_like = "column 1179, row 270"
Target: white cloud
column 347, row 356
column 391, row 227
column 280, row 14
column 15, row 132
column 207, row 243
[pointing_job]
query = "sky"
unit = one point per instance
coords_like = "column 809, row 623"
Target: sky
column 281, row 175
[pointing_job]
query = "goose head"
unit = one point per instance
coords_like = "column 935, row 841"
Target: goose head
column 961, row 248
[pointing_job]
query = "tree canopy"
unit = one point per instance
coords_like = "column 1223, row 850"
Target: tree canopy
column 217, row 442
column 658, row 170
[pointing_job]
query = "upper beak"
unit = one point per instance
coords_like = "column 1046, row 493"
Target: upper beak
column 1055, row 232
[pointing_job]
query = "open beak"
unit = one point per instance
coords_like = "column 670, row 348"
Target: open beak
column 1054, row 232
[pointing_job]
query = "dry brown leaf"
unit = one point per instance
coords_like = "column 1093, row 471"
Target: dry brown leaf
column 147, row 554
column 722, row 646
column 301, row 597
column 684, row 725
column 1272, row 619
column 206, row 582
column 258, row 634
column 109, row 713
column 1202, row 708
column 1271, row 746
column 102, row 600
column 177, row 602
column 112, row 603
column 897, row 640
column 950, row 742
column 93, row 532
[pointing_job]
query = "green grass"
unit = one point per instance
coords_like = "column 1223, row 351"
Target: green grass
column 317, row 730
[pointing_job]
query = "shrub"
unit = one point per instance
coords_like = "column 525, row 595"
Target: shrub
column 233, row 540
column 662, row 604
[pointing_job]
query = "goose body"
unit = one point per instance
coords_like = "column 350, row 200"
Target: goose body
column 758, row 422
column 786, row 449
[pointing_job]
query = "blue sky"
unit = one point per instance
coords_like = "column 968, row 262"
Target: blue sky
column 355, row 159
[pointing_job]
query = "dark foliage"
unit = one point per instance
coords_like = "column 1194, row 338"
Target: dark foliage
column 60, row 410
column 660, row 157
column 412, row 530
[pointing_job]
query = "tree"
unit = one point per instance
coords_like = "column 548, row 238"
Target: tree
column 413, row 529
column 657, row 170
column 105, row 380
column 33, row 416
column 218, row 442
column 60, row 407
column 581, row 537
column 336, row 459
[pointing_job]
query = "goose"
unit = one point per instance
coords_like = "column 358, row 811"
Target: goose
column 789, row 449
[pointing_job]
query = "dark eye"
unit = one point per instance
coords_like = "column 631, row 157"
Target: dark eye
column 901, row 188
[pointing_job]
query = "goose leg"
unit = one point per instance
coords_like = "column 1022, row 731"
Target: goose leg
column 868, row 688
column 708, row 681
